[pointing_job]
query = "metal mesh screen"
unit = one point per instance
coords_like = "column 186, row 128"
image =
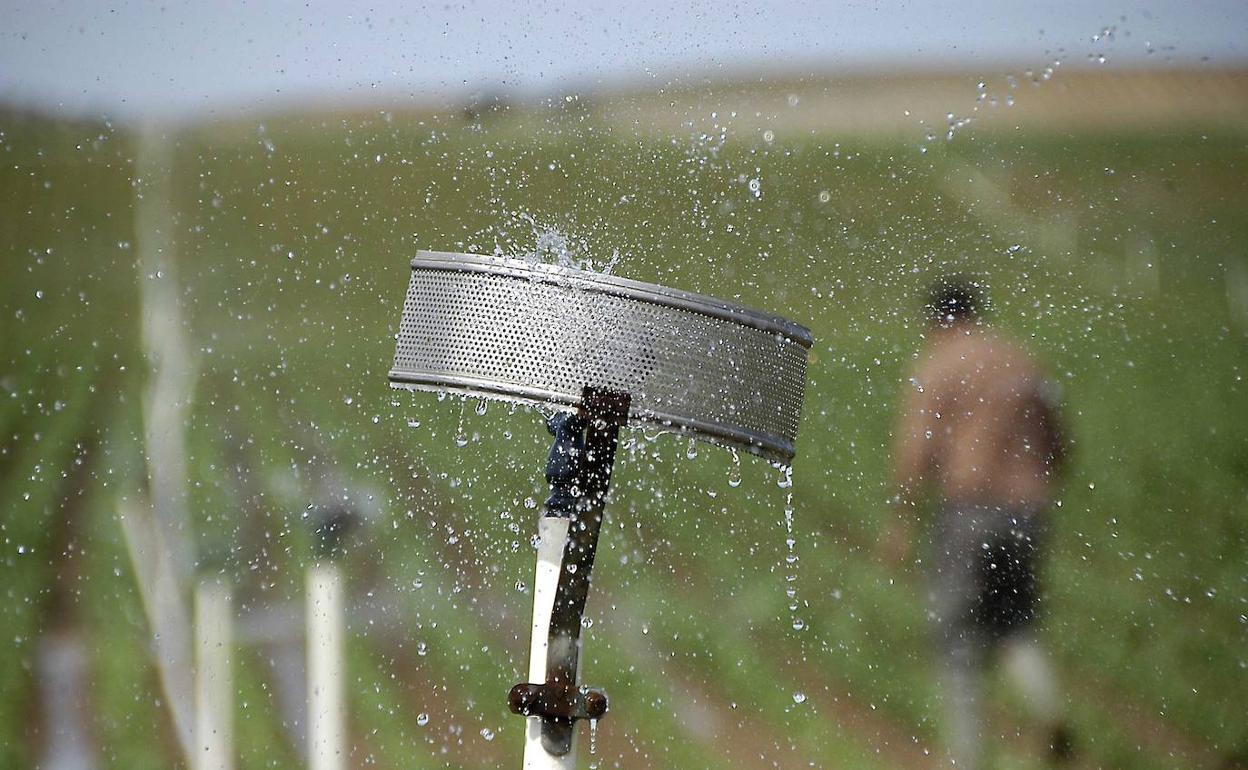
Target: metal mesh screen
column 537, row 333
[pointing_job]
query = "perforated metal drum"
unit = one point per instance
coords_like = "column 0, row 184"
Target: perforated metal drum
column 537, row 333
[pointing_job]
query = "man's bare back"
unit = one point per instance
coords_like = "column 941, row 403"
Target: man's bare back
column 981, row 430
column 981, row 421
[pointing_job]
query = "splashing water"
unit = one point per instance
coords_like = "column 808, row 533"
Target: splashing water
column 553, row 246
column 461, row 437
column 785, row 482
column 734, row 470
column 1036, row 76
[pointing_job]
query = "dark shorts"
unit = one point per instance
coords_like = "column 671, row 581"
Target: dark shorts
column 982, row 578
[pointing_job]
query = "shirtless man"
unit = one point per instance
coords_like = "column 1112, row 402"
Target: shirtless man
column 980, row 433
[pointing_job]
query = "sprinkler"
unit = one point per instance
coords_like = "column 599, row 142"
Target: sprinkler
column 601, row 353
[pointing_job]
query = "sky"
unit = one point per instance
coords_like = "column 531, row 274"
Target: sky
column 132, row 59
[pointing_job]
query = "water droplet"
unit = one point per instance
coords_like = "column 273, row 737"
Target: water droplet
column 593, row 743
column 799, row 697
column 734, row 471
column 786, row 477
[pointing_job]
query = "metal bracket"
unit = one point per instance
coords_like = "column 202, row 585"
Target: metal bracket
column 562, row 702
column 579, row 473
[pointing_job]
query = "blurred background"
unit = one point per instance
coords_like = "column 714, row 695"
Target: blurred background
column 206, row 217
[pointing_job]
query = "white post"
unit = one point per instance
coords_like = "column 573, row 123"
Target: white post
column 63, row 683
column 552, row 532
column 326, row 712
column 214, row 678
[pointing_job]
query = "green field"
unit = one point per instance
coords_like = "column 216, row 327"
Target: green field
column 1122, row 258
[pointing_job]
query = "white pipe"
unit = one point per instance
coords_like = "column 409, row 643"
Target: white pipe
column 552, row 532
column 326, row 710
column 214, row 679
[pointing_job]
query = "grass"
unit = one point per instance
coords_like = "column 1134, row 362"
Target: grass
column 1113, row 255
